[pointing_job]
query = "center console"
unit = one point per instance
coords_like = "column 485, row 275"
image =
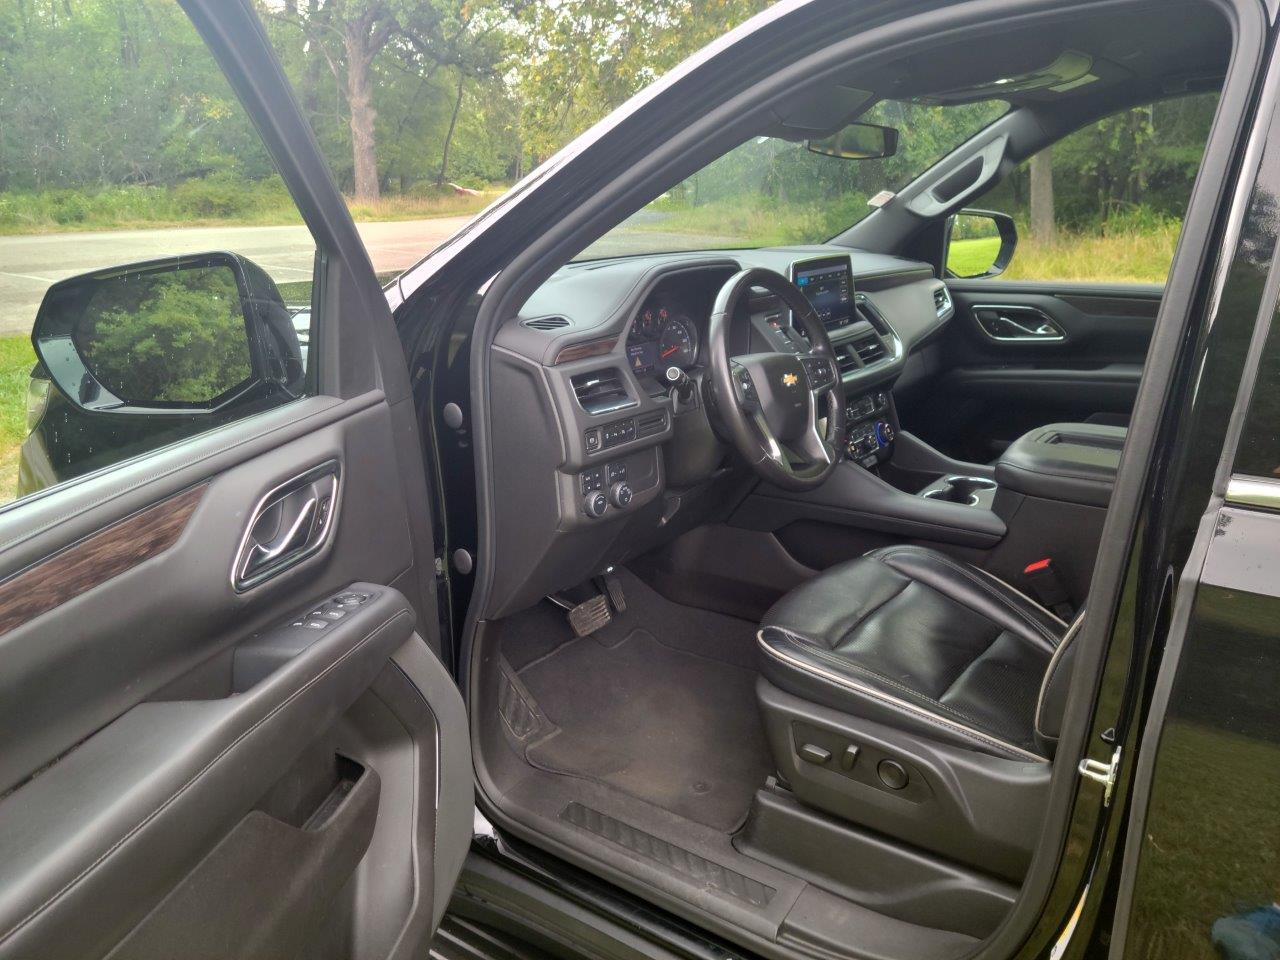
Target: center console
column 871, row 428
column 1045, row 498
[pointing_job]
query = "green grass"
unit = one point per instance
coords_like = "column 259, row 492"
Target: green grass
column 16, row 361
column 1120, row 256
column 210, row 202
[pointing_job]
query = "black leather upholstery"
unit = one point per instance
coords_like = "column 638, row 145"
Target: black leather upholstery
column 911, row 638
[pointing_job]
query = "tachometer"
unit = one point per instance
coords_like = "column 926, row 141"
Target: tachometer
column 678, row 343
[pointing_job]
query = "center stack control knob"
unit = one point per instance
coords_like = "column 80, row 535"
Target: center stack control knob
column 595, row 504
column 620, row 494
column 884, row 433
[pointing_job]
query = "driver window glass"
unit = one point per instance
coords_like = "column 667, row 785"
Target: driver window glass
column 215, row 325
column 1105, row 204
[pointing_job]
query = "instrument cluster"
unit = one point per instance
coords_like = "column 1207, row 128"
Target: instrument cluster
column 663, row 335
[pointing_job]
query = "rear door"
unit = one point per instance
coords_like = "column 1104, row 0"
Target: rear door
column 225, row 727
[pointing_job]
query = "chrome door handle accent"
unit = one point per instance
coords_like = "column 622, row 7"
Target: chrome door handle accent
column 294, row 537
column 998, row 323
column 290, row 523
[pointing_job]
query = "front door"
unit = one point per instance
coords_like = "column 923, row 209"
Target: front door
column 225, row 730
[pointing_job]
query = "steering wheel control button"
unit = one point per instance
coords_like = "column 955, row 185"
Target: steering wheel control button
column 620, row 494
column 849, row 757
column 812, row 753
column 595, row 505
column 819, row 372
column 892, row 774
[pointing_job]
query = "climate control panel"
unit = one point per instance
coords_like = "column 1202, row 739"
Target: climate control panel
column 871, row 428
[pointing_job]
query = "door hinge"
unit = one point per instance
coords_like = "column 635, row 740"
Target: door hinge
column 1103, row 773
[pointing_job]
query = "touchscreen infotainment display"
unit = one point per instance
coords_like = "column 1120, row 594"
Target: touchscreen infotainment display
column 828, row 286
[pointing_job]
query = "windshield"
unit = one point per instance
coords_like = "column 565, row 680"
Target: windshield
column 770, row 192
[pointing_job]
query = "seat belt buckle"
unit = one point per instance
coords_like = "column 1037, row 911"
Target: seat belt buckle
column 1048, row 588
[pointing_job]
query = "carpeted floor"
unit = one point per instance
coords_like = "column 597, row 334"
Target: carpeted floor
column 660, row 705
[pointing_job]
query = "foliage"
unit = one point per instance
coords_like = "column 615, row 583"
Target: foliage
column 176, row 337
column 16, row 360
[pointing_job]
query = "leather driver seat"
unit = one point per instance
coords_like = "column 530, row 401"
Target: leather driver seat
column 909, row 655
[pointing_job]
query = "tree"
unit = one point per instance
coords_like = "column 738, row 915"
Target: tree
column 1043, row 227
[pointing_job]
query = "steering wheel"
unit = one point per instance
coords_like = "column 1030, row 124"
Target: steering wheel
column 771, row 402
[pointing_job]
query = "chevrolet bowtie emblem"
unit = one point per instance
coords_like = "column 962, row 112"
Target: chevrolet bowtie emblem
column 790, row 379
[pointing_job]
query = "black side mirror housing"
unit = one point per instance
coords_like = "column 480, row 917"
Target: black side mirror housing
column 190, row 334
column 978, row 243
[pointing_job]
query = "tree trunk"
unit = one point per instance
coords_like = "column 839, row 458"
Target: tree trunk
column 364, row 152
column 448, row 137
column 1042, row 226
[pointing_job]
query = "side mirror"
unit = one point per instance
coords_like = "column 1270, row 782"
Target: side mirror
column 979, row 243
column 857, row 141
column 183, row 335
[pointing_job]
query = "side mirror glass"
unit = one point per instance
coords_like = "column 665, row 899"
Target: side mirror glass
column 191, row 334
column 980, row 243
column 857, row 141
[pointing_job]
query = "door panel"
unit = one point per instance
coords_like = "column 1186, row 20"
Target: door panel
column 986, row 391
column 167, row 741
column 200, row 759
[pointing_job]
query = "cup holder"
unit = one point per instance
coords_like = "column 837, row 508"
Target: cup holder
column 957, row 489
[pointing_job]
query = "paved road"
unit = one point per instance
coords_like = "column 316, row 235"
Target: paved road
column 28, row 264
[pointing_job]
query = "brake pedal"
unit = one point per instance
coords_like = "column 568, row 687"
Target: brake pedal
column 591, row 615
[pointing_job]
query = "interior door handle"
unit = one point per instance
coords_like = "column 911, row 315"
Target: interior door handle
column 288, row 525
column 1013, row 324
column 293, row 538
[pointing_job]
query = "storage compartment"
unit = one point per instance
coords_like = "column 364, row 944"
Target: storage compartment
column 1069, row 462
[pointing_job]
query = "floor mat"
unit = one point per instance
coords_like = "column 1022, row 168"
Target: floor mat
column 674, row 728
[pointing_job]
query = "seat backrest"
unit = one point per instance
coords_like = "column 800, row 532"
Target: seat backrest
column 1052, row 701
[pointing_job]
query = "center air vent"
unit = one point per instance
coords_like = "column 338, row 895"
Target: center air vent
column 601, row 392
column 870, row 350
column 547, row 323
column 846, row 360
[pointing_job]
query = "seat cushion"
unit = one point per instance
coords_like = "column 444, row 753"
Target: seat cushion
column 911, row 638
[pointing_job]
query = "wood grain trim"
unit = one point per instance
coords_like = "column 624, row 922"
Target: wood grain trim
column 580, row 351
column 97, row 558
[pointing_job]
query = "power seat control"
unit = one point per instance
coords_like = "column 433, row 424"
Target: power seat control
column 595, row 505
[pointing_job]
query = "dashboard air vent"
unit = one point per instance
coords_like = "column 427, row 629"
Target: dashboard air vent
column 601, row 392
column 870, row 350
column 547, row 323
column 942, row 300
column 846, row 360
column 649, row 424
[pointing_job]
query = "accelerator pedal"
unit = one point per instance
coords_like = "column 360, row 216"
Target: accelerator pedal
column 612, row 587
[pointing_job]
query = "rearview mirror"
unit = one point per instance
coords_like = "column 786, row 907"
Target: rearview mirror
column 190, row 334
column 979, row 243
column 857, row 141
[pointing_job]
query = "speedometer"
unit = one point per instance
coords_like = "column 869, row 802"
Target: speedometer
column 678, row 343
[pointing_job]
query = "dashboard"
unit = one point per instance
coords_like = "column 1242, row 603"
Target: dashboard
column 599, row 458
